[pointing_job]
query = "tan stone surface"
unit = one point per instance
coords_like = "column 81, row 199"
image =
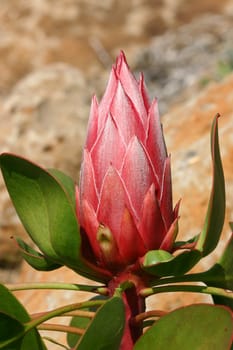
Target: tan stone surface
column 44, row 120
column 35, row 33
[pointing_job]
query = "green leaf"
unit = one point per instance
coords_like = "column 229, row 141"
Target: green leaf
column 46, row 211
column 221, row 274
column 26, row 185
column 67, row 183
column 13, row 336
column 154, row 257
column 226, row 263
column 11, row 306
column 81, row 322
column 10, row 328
column 196, row 327
column 78, row 322
column 11, row 332
column 106, row 329
column 219, row 300
column 214, row 220
column 32, row 340
column 161, row 264
column 12, row 319
column 35, row 259
column 182, row 244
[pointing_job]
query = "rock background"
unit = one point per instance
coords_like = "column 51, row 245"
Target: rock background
column 55, row 54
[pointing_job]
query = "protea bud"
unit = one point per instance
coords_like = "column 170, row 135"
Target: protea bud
column 124, row 200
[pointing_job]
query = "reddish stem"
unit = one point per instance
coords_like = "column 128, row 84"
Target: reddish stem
column 134, row 305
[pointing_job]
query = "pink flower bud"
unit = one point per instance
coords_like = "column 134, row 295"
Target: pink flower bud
column 124, row 199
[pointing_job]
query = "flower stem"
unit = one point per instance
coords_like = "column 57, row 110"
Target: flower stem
column 187, row 288
column 60, row 311
column 55, row 285
column 61, row 328
column 195, row 277
column 148, row 314
column 80, row 313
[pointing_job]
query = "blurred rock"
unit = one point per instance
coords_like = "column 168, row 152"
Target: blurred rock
column 187, row 132
column 43, row 119
column 180, row 62
column 45, row 114
column 37, row 32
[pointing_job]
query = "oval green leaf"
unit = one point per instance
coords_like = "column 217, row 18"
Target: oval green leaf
column 67, row 183
column 47, row 212
column 26, row 184
column 82, row 322
column 106, row 329
column 196, row 327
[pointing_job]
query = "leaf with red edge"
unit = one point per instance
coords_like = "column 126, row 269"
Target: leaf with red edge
column 214, row 220
column 195, row 327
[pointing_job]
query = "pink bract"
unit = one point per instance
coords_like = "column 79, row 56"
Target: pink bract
column 124, row 198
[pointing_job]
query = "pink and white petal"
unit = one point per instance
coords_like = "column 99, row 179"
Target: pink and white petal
column 130, row 86
column 151, row 224
column 166, row 194
column 106, row 100
column 126, row 116
column 92, row 129
column 112, row 202
column 155, row 175
column 170, row 237
column 136, row 173
column 129, row 241
column 154, row 142
column 90, row 226
column 87, row 183
column 144, row 92
column 109, row 149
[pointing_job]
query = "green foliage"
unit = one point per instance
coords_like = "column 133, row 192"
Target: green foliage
column 106, row 329
column 81, row 322
column 170, row 265
column 13, row 335
column 221, row 274
column 37, row 260
column 196, row 327
column 45, row 205
column 215, row 215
